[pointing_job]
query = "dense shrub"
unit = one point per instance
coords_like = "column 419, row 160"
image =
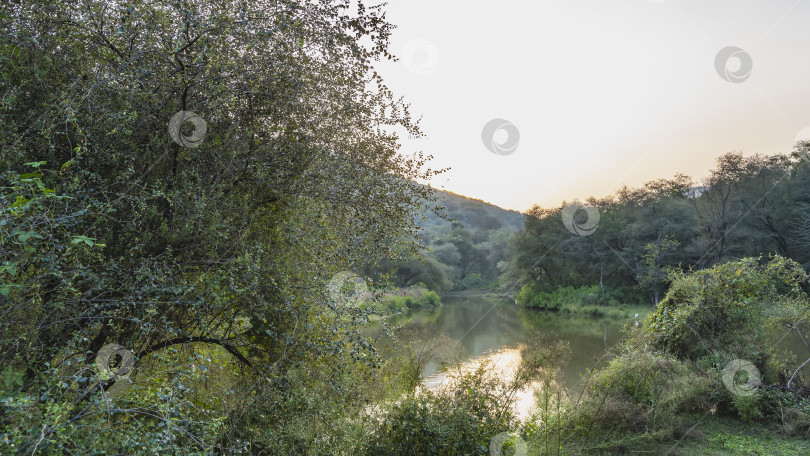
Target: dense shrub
column 736, row 310
column 424, row 426
column 733, row 310
column 427, row 298
column 564, row 297
column 461, row 419
column 670, row 372
column 637, row 397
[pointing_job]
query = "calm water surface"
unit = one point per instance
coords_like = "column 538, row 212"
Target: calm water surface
column 482, row 327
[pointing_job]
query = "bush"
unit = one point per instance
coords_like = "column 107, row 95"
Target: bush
column 565, row 298
column 735, row 310
column 459, row 420
column 419, row 426
column 670, row 374
column 638, row 395
column 427, row 298
column 732, row 311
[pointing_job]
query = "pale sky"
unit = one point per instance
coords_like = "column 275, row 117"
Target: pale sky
column 602, row 92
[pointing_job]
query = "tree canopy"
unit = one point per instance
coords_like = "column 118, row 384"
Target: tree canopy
column 181, row 179
column 747, row 206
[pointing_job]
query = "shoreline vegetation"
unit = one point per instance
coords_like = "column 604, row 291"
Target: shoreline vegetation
column 566, row 300
column 190, row 189
column 411, row 299
column 664, row 389
column 585, row 300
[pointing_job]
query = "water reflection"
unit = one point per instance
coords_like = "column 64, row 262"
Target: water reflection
column 505, row 362
column 475, row 330
column 479, row 327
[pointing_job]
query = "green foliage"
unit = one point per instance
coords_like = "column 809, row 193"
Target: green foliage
column 746, row 444
column 725, row 309
column 637, row 395
column 656, row 389
column 564, row 297
column 419, row 426
column 461, row 420
column 112, row 232
column 736, row 310
column 652, row 274
column 747, row 207
column 427, row 298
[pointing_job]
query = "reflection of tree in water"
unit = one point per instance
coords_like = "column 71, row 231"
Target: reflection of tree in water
column 513, row 376
column 425, row 347
column 459, row 324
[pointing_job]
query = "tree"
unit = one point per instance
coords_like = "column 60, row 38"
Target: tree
column 122, row 224
column 651, row 268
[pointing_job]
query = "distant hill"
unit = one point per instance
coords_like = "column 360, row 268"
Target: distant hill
column 464, row 250
column 473, row 213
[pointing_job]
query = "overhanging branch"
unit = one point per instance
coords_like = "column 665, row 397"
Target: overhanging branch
column 206, row 340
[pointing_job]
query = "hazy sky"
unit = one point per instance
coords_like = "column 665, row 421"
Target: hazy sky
column 602, row 92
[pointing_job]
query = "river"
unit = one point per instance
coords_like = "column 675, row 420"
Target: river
column 495, row 330
column 479, row 329
column 482, row 326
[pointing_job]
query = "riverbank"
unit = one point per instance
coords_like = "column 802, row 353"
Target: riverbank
column 614, row 391
column 481, row 292
column 637, row 312
column 576, row 306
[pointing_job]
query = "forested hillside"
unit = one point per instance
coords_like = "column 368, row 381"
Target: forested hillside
column 629, row 243
column 464, row 242
column 473, row 213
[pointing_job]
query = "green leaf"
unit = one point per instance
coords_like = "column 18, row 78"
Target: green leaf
column 77, row 239
column 20, row 202
column 24, row 236
column 12, row 378
column 29, row 176
column 9, row 267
